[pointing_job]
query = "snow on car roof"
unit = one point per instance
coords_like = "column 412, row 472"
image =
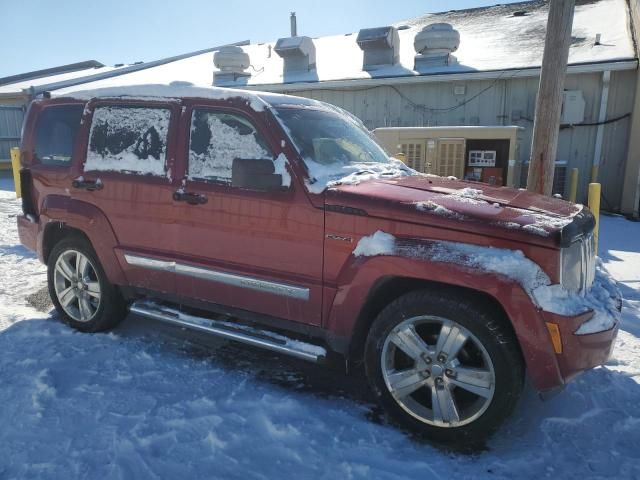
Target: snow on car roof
column 257, row 100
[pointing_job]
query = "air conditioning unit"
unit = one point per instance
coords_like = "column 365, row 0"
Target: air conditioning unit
column 298, row 53
column 380, row 46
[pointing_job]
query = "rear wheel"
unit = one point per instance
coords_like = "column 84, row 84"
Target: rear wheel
column 80, row 289
column 444, row 367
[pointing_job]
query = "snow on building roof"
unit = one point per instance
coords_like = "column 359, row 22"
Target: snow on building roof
column 491, row 38
column 501, row 37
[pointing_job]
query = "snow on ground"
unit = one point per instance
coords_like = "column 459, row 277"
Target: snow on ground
column 147, row 401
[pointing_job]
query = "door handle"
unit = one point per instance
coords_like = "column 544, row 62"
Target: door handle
column 190, row 198
column 89, row 185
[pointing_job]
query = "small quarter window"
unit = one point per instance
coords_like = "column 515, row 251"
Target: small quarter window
column 216, row 139
column 56, row 131
column 129, row 139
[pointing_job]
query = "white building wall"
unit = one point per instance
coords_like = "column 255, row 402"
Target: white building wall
column 506, row 101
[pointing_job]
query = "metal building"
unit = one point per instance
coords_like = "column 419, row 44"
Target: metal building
column 467, row 67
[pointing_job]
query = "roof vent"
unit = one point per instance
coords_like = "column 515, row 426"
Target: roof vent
column 232, row 63
column 380, row 46
column 299, row 53
column 435, row 44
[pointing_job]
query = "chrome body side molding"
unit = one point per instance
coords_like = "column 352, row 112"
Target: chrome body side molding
column 251, row 283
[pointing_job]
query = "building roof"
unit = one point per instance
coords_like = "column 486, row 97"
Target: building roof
column 492, row 39
column 47, row 72
column 18, row 86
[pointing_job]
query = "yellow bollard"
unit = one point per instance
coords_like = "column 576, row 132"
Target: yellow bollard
column 15, row 165
column 573, row 185
column 594, row 206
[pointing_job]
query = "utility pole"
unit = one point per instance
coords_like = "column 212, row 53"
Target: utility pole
column 546, row 126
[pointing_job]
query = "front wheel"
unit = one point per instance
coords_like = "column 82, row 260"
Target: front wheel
column 443, row 366
column 79, row 288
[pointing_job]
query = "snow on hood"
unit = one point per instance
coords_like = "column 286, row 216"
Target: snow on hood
column 335, row 174
column 418, row 197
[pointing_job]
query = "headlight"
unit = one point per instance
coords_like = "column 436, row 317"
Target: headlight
column 578, row 265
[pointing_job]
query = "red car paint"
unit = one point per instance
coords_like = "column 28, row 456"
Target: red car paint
column 299, row 238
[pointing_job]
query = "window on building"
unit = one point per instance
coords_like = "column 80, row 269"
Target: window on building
column 129, row 139
column 56, row 131
column 217, row 138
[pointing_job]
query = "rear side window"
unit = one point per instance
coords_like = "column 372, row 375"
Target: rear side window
column 216, row 139
column 56, row 130
column 129, row 139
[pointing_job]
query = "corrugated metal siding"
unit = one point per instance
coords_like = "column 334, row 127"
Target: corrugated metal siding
column 616, row 138
column 10, row 125
column 506, row 101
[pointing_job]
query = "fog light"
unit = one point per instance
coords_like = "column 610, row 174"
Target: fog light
column 556, row 340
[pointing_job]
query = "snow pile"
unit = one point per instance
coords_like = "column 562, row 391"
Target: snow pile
column 512, row 264
column 603, row 297
column 128, row 140
column 468, row 198
column 280, row 165
column 541, row 223
column 338, row 173
column 430, row 206
column 468, row 192
column 380, row 243
column 226, row 141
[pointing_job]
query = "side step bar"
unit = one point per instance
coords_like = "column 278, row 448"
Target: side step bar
column 231, row 331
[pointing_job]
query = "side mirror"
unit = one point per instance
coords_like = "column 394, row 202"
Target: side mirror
column 255, row 174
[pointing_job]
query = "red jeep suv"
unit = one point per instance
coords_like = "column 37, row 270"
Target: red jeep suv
column 279, row 222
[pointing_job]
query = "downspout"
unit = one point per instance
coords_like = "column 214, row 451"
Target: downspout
column 602, row 116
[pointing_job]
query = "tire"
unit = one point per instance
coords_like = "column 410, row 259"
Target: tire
column 481, row 373
column 90, row 304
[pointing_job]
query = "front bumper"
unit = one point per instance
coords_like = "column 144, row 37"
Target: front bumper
column 581, row 352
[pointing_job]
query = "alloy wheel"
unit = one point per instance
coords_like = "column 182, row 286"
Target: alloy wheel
column 438, row 371
column 77, row 286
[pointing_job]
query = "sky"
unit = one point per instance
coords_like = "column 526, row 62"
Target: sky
column 37, row 35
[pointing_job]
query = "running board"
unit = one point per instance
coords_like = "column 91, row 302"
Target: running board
column 231, row 331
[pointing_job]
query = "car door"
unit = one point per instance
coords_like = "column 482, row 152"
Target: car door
column 253, row 250
column 126, row 174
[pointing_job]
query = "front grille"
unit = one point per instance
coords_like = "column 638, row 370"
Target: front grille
column 578, row 265
column 588, row 261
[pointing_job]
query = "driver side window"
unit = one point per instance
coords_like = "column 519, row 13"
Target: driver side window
column 216, row 139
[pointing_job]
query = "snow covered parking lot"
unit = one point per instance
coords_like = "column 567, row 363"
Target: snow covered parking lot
column 141, row 402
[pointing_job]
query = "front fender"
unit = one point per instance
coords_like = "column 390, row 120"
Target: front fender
column 361, row 274
column 59, row 210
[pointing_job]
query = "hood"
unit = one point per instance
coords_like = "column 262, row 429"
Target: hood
column 495, row 211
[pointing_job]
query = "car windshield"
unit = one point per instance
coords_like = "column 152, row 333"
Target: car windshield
column 327, row 138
